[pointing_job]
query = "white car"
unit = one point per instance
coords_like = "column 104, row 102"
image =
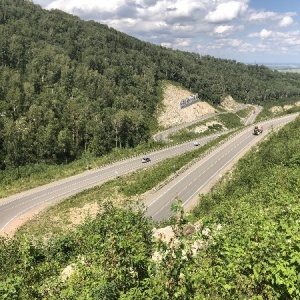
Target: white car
column 197, row 143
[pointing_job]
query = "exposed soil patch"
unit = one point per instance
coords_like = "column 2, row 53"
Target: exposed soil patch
column 203, row 128
column 278, row 109
column 78, row 214
column 173, row 115
column 228, row 103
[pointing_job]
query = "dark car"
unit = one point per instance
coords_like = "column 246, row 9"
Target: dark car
column 146, row 159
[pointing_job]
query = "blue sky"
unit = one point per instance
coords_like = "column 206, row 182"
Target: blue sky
column 249, row 31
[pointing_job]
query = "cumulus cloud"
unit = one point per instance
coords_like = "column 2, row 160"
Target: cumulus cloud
column 235, row 42
column 286, row 21
column 226, row 11
column 182, row 43
column 293, row 42
column 262, row 16
column 262, row 34
column 84, row 5
column 167, row 45
column 223, row 29
column 265, row 33
column 201, row 25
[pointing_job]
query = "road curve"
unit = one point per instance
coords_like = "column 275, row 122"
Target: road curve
column 202, row 175
column 18, row 205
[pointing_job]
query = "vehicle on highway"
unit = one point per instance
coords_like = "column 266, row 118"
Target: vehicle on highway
column 257, row 130
column 197, row 143
column 146, row 159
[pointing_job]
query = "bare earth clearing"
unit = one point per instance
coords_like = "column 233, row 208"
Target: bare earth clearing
column 172, row 114
column 278, row 109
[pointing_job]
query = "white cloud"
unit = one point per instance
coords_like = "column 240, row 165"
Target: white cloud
column 246, row 47
column 167, row 45
column 207, row 26
column 85, row 5
column 262, row 34
column 262, row 16
column 226, row 11
column 267, row 17
column 182, row 43
column 286, row 21
column 223, row 28
column 265, row 33
column 293, row 41
column 279, row 39
column 126, row 22
column 235, row 42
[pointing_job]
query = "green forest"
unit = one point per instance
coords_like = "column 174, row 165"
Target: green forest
column 70, row 87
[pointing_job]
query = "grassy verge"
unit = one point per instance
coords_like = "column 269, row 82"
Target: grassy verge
column 229, row 121
column 244, row 112
column 17, row 180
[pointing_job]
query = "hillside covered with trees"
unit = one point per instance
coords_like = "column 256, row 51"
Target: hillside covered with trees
column 69, row 86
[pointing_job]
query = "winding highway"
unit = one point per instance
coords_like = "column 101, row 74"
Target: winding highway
column 207, row 171
column 20, row 204
column 186, row 186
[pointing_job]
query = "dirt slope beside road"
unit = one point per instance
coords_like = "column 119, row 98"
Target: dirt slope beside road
column 172, row 115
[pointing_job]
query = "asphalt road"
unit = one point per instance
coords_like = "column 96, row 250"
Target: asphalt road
column 201, row 176
column 17, row 205
column 159, row 207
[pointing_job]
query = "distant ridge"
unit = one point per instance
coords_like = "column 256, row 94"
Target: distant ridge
column 281, row 66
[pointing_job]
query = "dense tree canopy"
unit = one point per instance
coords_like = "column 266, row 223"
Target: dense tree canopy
column 69, row 86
